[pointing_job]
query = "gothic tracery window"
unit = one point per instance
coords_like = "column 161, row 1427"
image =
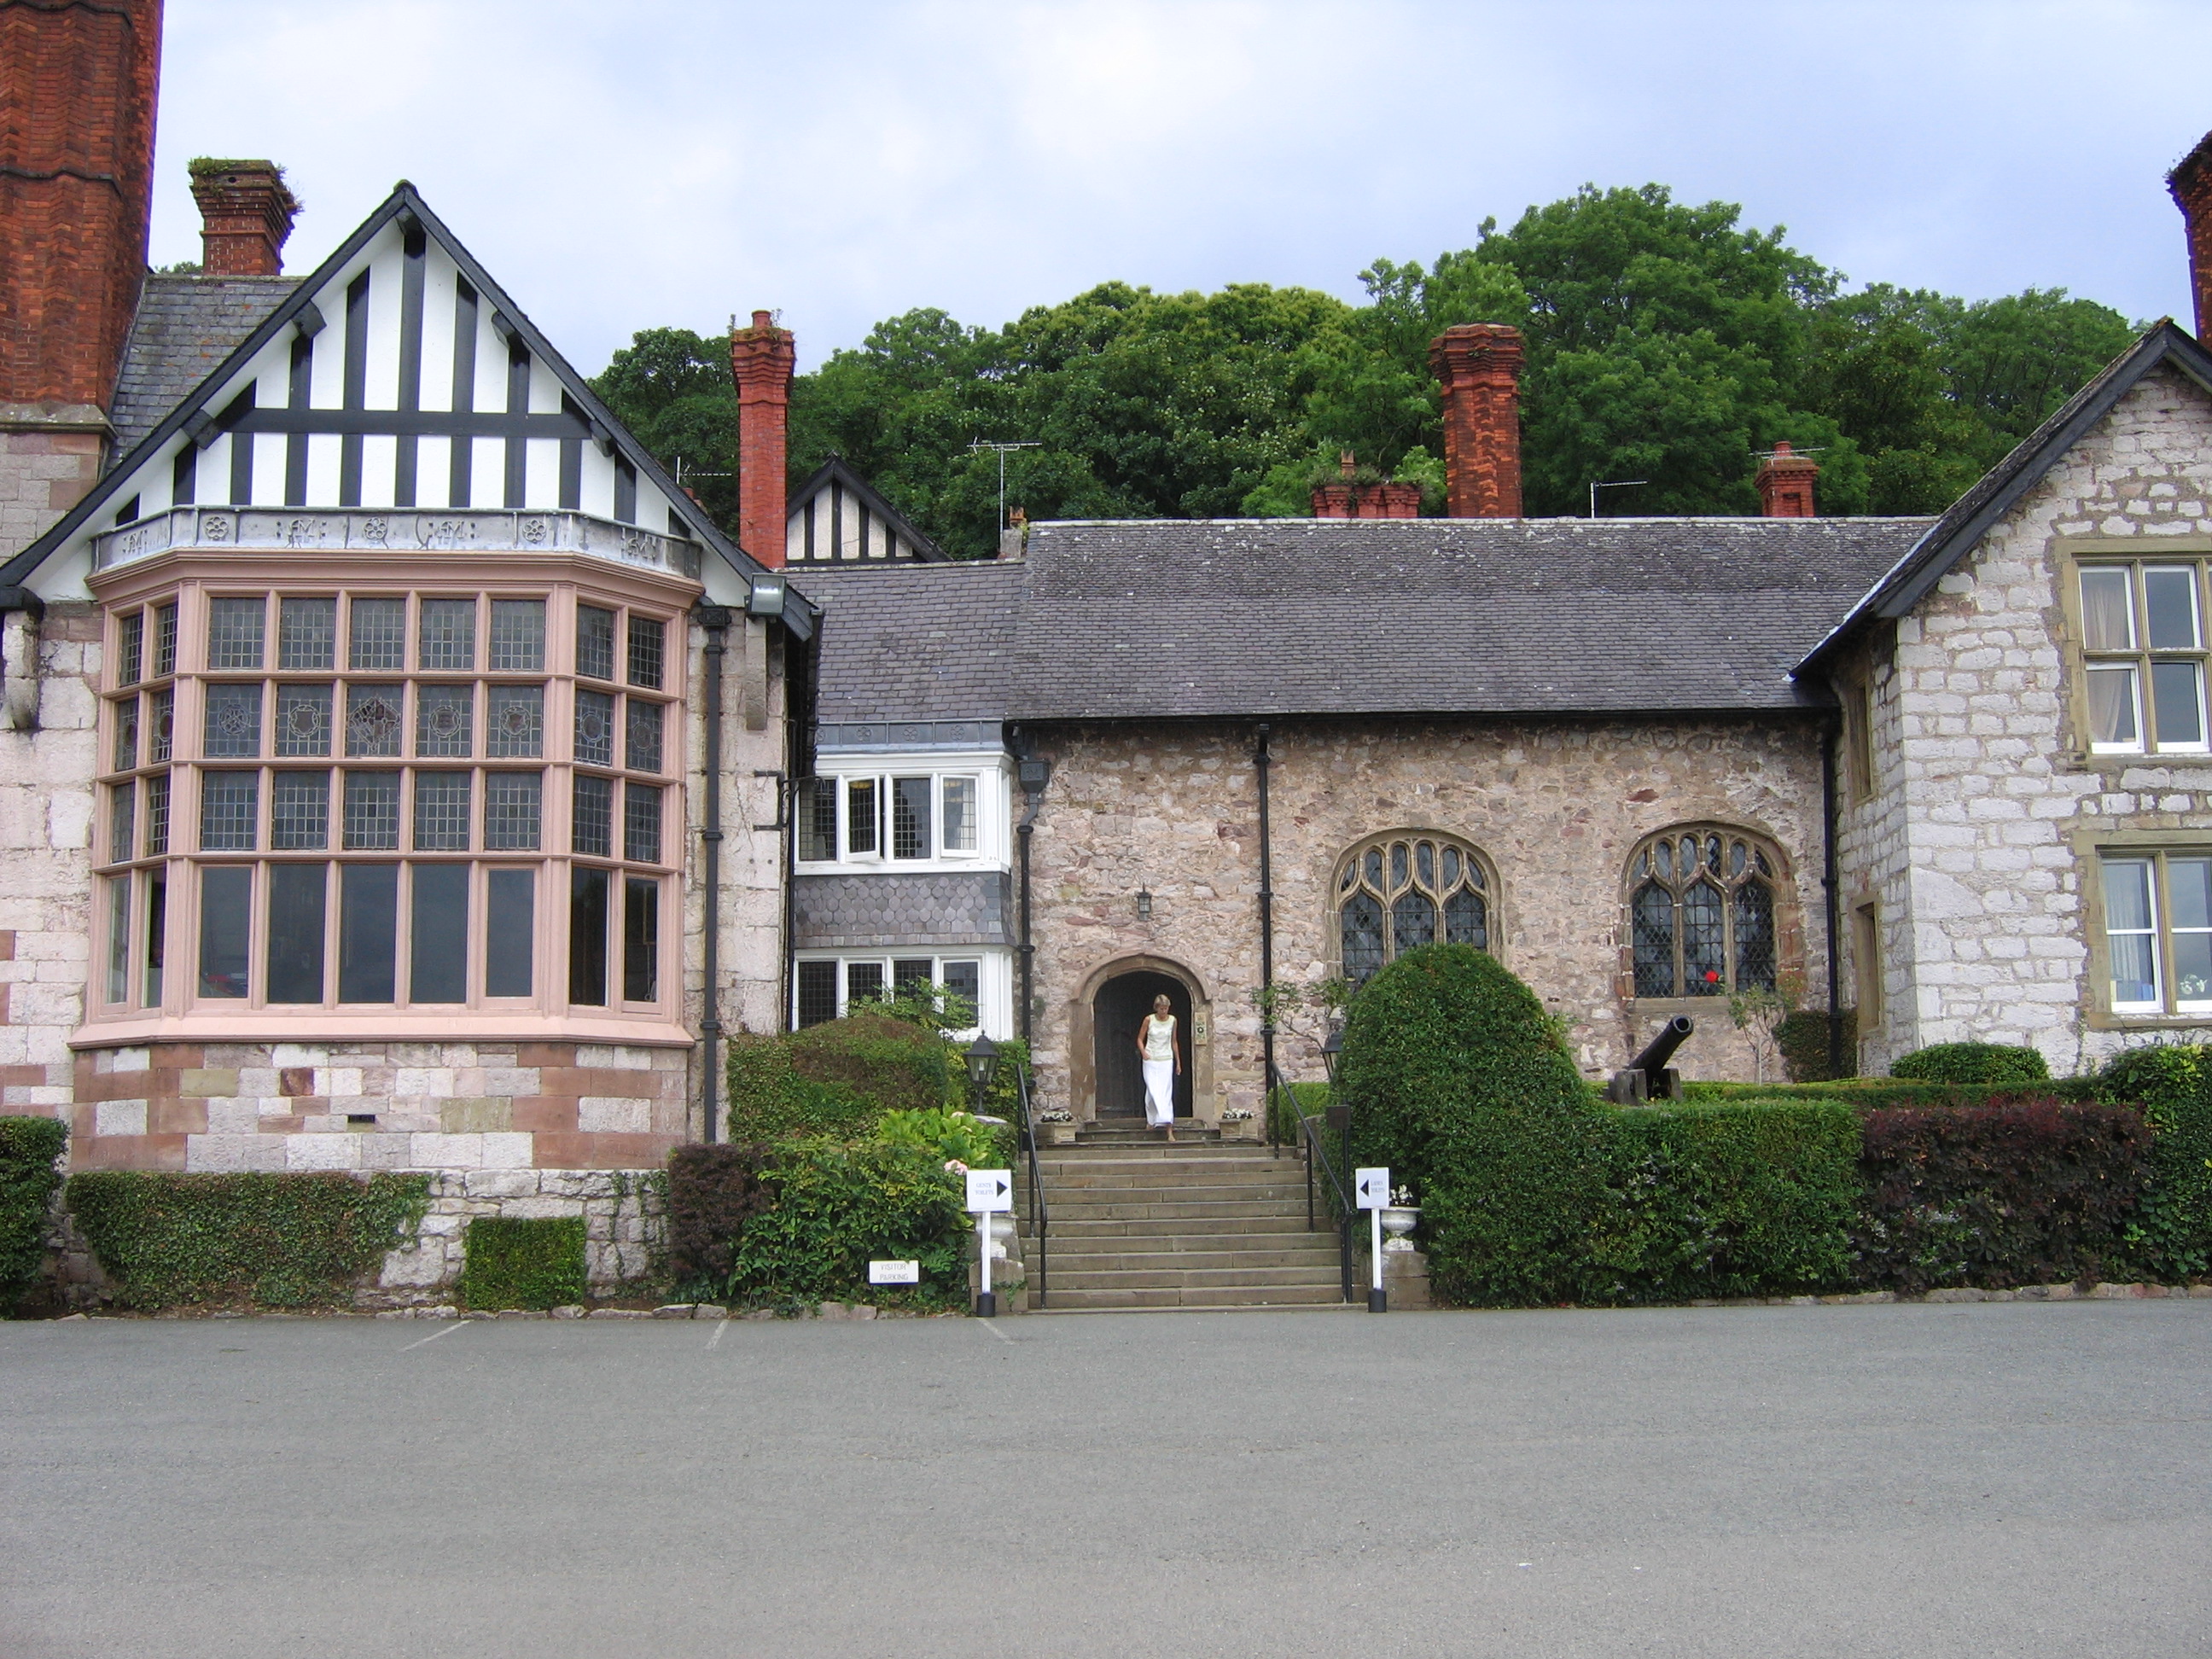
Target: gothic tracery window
column 1701, row 913
column 1403, row 890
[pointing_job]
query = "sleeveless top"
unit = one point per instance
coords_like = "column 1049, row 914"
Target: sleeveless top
column 1159, row 1038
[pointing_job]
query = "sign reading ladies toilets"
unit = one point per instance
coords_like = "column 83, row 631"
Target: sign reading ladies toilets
column 990, row 1192
column 1370, row 1191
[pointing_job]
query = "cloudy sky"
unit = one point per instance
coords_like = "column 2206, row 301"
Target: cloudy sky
column 621, row 167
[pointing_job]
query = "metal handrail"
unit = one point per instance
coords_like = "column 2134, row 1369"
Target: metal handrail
column 1315, row 1149
column 1040, row 1213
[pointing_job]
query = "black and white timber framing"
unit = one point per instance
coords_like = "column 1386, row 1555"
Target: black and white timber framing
column 837, row 518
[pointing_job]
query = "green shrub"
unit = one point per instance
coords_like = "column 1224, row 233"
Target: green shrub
column 713, row 1191
column 2031, row 1191
column 282, row 1241
column 1004, row 1098
column 1460, row 1082
column 2170, row 1236
column 837, row 1078
column 945, row 1132
column 1286, row 1106
column 839, row 1207
column 1802, row 1037
column 1994, row 1064
column 30, row 1170
column 1867, row 1094
column 535, row 1261
column 1747, row 1199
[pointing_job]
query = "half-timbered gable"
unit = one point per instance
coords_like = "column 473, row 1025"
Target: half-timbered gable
column 837, row 517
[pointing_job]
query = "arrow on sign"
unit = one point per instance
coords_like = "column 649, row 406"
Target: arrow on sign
column 1372, row 1187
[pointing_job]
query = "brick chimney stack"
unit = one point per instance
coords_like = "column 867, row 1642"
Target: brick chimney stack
column 246, row 214
column 1345, row 497
column 2191, row 185
column 761, row 358
column 1785, row 483
column 1478, row 366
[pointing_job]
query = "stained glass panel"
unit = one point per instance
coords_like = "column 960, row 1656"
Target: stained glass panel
column 232, row 728
column 444, row 717
column 515, row 725
column 303, row 720
column 373, row 719
column 595, row 728
column 1704, row 941
column 642, row 754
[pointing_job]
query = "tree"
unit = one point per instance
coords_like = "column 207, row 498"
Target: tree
column 672, row 389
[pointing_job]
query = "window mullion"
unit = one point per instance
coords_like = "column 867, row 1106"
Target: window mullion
column 2162, row 922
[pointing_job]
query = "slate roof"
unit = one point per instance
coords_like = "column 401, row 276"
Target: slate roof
column 1951, row 537
column 1164, row 619
column 888, row 911
column 185, row 327
column 906, row 643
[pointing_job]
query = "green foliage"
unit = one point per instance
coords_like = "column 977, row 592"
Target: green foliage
column 837, row 1078
column 1867, row 1094
column 837, row 1207
column 1802, row 1037
column 2170, row 1236
column 280, row 1240
column 1994, row 1063
column 1754, row 1199
column 30, row 1155
column 947, row 1133
column 2029, row 1192
column 1286, row 1106
column 536, row 1262
column 672, row 389
column 1459, row 1081
column 713, row 1191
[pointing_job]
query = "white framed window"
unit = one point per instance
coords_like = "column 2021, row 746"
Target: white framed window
column 902, row 817
column 2143, row 656
column 2158, row 932
column 828, row 987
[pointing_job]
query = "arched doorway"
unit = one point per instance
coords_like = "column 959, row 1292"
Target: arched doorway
column 1117, row 1008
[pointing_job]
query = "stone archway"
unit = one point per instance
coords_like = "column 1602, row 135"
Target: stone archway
column 1102, row 1021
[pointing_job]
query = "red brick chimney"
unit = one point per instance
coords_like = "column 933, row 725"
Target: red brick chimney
column 77, row 86
column 1347, row 498
column 762, row 357
column 246, row 214
column 1785, row 483
column 2191, row 185
column 1478, row 366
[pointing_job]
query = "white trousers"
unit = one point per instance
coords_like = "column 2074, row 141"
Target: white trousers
column 1159, row 1092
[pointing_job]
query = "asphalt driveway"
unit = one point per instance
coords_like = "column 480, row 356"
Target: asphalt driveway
column 2009, row 1480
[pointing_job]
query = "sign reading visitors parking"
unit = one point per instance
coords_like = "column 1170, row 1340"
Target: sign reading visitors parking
column 990, row 1190
column 894, row 1272
column 1371, row 1189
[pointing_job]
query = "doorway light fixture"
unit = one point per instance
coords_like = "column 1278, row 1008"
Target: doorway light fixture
column 1144, row 904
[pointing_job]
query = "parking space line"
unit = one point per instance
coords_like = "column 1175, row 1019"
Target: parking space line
column 434, row 1335
column 720, row 1325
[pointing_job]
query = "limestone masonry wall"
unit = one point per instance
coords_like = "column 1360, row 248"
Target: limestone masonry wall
column 1556, row 806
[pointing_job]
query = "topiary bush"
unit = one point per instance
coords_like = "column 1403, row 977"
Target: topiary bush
column 531, row 1262
column 1802, row 1037
column 2028, row 1193
column 713, row 1191
column 838, row 1207
column 1996, row 1064
column 2170, row 1236
column 283, row 1241
column 1460, row 1082
column 30, row 1169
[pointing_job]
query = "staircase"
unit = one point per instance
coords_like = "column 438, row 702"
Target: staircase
column 1140, row 1223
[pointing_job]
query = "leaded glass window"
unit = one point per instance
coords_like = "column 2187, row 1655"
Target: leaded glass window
column 229, row 809
column 130, row 647
column 122, row 803
column 441, row 811
column 1701, row 914
column 641, row 823
column 303, row 720
column 444, row 720
column 163, row 727
column 300, row 812
column 595, row 642
column 165, row 641
column 373, row 719
column 1405, row 891
column 518, row 636
column 512, row 810
column 642, row 753
column 126, row 735
column 449, row 635
column 233, row 722
column 378, row 640
column 308, row 634
column 234, row 632
column 592, row 826
column 372, row 811
column 157, row 817
column 647, row 643
column 595, row 729
column 514, row 724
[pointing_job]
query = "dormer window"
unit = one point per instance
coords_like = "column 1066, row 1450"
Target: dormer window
column 891, row 819
column 2143, row 645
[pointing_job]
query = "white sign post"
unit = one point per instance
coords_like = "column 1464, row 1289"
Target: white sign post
column 1370, row 1191
column 990, row 1192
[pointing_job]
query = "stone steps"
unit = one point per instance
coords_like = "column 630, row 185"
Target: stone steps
column 1144, row 1224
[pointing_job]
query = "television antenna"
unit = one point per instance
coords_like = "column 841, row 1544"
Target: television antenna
column 1616, row 483
column 978, row 445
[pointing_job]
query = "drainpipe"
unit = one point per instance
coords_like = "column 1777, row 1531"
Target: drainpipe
column 1261, row 760
column 1035, row 773
column 1832, row 898
column 716, row 620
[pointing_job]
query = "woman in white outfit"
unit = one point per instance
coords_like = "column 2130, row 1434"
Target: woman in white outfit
column 1162, row 1051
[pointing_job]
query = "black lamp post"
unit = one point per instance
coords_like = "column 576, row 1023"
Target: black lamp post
column 983, row 1067
column 1332, row 1051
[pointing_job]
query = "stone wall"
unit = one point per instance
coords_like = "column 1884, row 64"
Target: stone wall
column 1556, row 806
column 47, row 464
column 624, row 1211
column 1971, row 848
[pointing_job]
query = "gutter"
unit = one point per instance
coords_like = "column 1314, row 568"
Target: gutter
column 1261, row 759
column 1830, row 899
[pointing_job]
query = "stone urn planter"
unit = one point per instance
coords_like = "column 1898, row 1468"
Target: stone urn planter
column 1056, row 1134
column 1398, row 1225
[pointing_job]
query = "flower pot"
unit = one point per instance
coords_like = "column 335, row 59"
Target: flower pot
column 1398, row 1227
column 1056, row 1134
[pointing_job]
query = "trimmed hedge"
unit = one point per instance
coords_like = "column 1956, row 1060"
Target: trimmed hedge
column 838, row 1078
column 2170, row 1236
column 1868, row 1094
column 838, row 1207
column 283, row 1241
column 1802, row 1037
column 532, row 1262
column 2026, row 1193
column 30, row 1169
column 1997, row 1065
column 713, row 1193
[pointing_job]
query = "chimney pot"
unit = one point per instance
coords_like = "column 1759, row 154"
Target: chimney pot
column 246, row 215
column 2190, row 185
column 1785, row 483
column 761, row 358
column 1478, row 366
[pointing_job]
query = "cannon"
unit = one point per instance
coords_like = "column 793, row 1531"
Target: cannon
column 1648, row 1076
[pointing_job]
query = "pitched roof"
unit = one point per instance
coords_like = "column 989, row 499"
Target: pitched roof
column 1953, row 536
column 913, row 642
column 186, row 326
column 838, row 471
column 1164, row 619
